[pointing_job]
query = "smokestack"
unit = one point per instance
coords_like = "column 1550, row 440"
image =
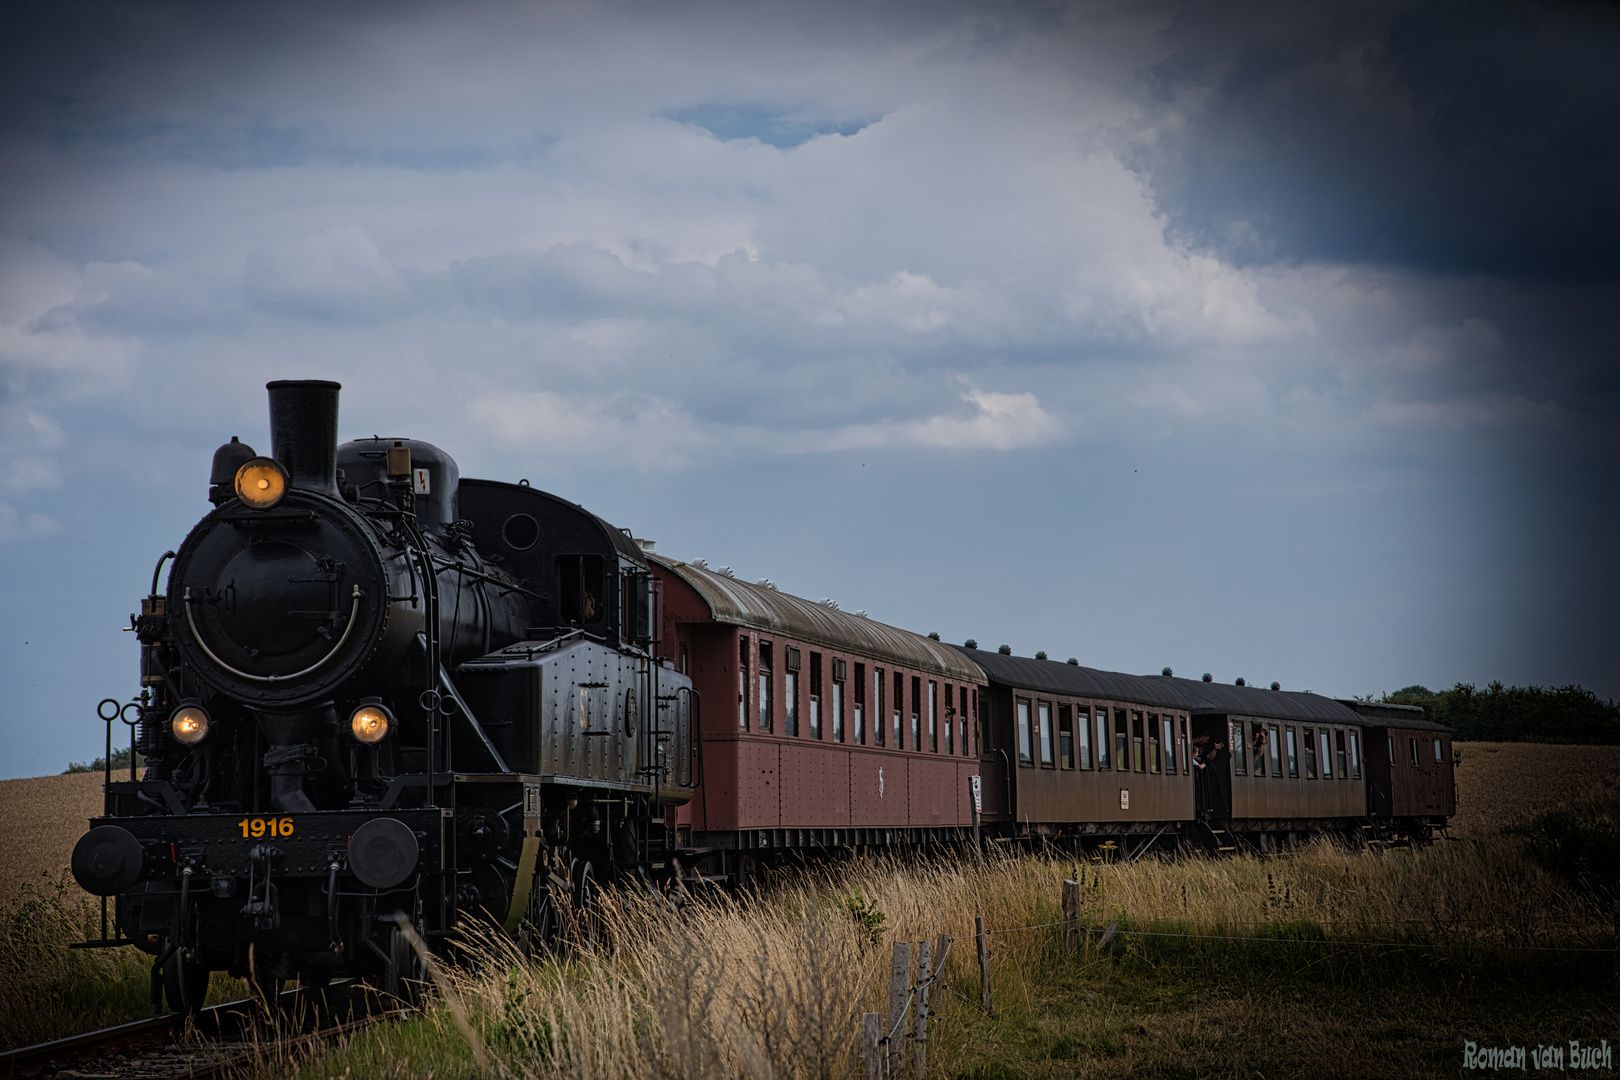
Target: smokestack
column 303, row 432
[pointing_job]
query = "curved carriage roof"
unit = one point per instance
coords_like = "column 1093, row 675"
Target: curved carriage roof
column 1165, row 692
column 1389, row 714
column 1055, row 677
column 739, row 603
column 1222, row 699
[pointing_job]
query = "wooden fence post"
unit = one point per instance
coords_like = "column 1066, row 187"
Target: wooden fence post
column 894, row 1028
column 1071, row 913
column 872, row 1046
column 984, row 963
column 919, row 1054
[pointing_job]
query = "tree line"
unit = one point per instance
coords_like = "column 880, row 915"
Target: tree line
column 1564, row 714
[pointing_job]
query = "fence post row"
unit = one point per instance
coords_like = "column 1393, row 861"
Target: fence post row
column 1071, row 913
column 984, row 963
column 919, row 1056
column 894, row 1028
column 872, row 1046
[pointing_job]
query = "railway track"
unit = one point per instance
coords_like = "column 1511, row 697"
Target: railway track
column 217, row 1040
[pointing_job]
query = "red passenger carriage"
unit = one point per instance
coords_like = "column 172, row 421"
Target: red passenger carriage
column 820, row 728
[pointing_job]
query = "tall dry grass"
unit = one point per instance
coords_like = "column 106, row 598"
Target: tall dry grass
column 774, row 984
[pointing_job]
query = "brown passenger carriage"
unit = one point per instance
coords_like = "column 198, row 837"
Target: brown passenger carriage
column 820, row 728
column 1073, row 752
column 1411, row 781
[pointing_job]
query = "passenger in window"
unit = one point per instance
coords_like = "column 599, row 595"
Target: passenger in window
column 1259, row 749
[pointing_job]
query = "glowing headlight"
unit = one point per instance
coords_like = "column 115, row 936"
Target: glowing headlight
column 369, row 723
column 189, row 724
column 261, row 482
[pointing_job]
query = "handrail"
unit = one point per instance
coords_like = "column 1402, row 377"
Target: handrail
column 354, row 611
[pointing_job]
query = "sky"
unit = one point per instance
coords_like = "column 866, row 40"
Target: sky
column 1269, row 340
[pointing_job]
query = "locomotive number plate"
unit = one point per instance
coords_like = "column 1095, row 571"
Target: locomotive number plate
column 260, row 827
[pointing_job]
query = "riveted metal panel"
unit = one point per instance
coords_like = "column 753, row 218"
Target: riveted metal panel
column 878, row 790
column 815, row 786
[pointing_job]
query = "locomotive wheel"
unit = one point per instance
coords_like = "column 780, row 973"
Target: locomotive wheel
column 543, row 924
column 185, row 984
column 403, row 977
column 587, row 906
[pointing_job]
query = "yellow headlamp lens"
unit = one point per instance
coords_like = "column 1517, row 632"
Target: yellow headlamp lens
column 369, row 723
column 189, row 724
column 261, row 483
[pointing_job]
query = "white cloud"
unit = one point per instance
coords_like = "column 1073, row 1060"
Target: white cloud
column 993, row 421
column 336, row 274
column 645, row 432
column 15, row 525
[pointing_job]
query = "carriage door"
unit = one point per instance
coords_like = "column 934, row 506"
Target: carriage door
column 1212, row 785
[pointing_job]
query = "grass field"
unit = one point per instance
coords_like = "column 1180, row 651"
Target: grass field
column 1328, row 963
column 1368, row 965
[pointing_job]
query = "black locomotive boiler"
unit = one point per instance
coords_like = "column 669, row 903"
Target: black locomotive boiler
column 373, row 687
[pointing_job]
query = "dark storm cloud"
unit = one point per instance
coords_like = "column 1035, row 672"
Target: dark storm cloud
column 1447, row 136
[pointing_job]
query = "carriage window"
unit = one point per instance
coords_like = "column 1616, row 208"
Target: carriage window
column 897, row 709
column 860, row 704
column 981, row 713
column 1154, row 762
column 1102, row 739
column 1392, row 760
column 790, row 712
column 1082, row 728
column 878, row 723
column 838, row 701
column 1025, row 751
column 1065, row 737
column 1355, row 756
column 742, row 683
column 949, row 720
column 579, row 579
column 1414, row 743
column 1342, row 758
column 1293, row 754
column 764, row 686
column 1273, row 750
column 1045, row 712
column 1122, row 742
column 1169, row 744
column 1186, row 758
column 1257, row 743
column 916, row 712
column 962, row 720
column 1240, row 758
column 1310, row 753
column 815, row 695
column 1138, row 751
column 1327, row 754
column 933, row 716
column 1437, row 749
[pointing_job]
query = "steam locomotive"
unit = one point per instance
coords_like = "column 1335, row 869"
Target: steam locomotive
column 372, row 687
column 375, row 689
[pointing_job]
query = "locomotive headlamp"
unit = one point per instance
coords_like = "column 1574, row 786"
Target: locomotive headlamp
column 261, row 483
column 370, row 722
column 189, row 723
